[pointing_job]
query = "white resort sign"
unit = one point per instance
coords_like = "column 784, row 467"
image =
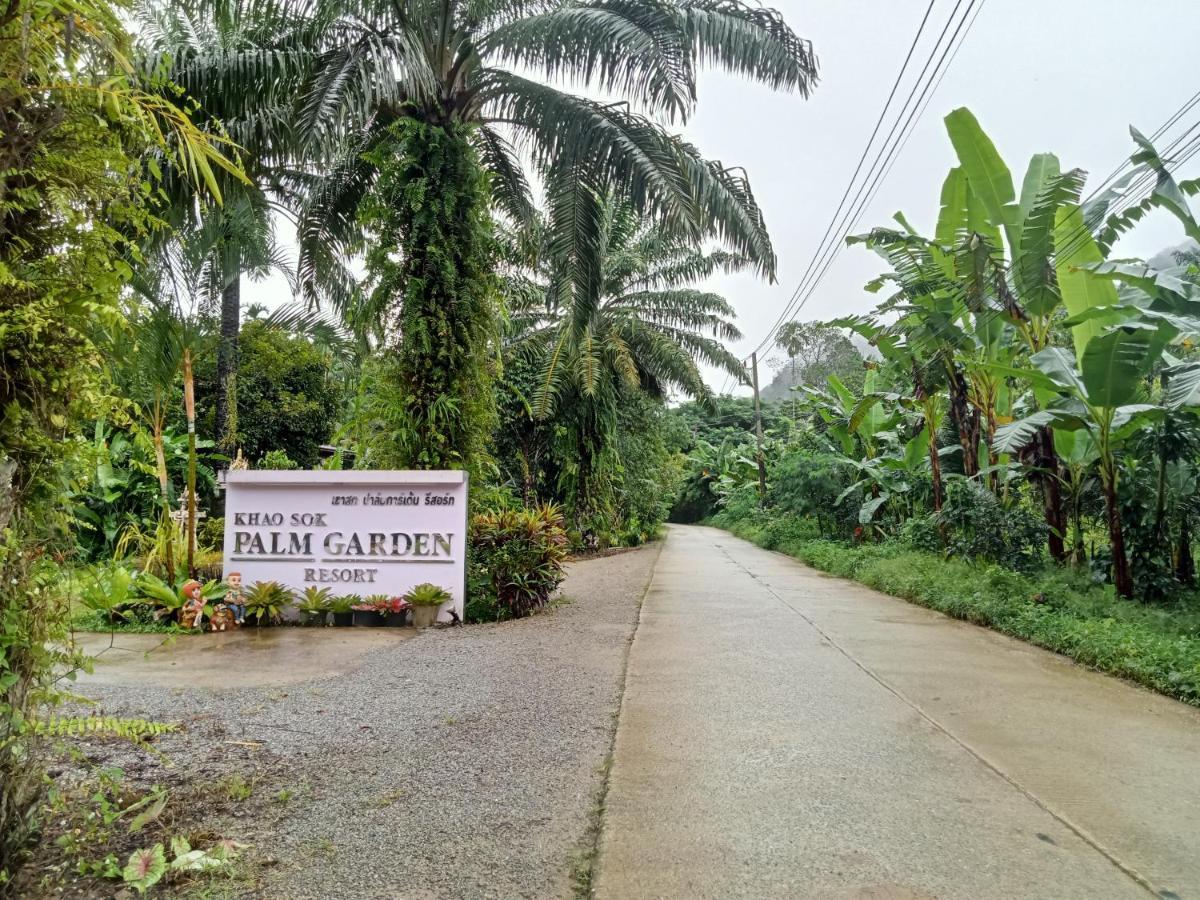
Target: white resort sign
column 356, row 532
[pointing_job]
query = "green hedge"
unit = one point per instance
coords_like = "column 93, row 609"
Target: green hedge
column 1154, row 646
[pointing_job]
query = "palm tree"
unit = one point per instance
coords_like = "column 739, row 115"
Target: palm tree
column 435, row 92
column 241, row 63
column 450, row 64
column 610, row 311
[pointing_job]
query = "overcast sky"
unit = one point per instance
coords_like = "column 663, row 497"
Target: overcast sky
column 1066, row 76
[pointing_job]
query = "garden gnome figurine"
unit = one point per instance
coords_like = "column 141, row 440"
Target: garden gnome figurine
column 192, row 613
column 235, row 598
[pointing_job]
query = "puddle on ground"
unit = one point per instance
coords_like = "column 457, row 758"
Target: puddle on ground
column 249, row 656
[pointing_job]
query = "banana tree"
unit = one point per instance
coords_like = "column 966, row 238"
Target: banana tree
column 1077, row 455
column 1100, row 394
column 1027, row 295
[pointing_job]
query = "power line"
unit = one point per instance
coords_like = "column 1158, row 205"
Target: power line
column 883, row 159
column 833, row 250
column 861, row 159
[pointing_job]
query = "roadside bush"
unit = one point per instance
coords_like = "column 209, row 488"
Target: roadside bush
column 649, row 472
column 805, row 483
column 516, row 562
column 979, row 526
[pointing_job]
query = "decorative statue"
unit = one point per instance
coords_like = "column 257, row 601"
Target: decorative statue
column 192, row 613
column 235, row 599
column 222, row 619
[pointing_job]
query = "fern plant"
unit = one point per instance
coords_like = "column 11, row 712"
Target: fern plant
column 134, row 730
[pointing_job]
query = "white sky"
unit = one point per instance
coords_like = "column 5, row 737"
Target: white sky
column 1066, row 76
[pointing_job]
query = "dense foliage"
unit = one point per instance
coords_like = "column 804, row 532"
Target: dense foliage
column 74, row 203
column 287, row 397
column 1031, row 416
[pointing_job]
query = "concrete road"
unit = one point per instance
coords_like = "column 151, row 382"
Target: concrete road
column 788, row 734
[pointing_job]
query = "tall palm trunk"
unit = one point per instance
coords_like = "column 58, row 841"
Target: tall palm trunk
column 189, row 404
column 227, row 365
column 430, row 209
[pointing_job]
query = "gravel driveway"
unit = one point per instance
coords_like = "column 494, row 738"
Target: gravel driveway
column 462, row 763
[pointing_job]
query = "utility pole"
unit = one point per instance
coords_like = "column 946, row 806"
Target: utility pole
column 762, row 466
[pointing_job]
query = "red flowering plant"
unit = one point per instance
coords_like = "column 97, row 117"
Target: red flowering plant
column 382, row 604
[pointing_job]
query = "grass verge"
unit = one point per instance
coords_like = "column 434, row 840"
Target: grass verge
column 1155, row 646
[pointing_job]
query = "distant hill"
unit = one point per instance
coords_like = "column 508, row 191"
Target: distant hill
column 1165, row 258
column 788, row 375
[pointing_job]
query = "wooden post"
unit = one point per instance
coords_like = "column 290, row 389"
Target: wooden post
column 762, row 466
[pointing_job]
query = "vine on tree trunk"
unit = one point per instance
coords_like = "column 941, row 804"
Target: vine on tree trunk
column 432, row 276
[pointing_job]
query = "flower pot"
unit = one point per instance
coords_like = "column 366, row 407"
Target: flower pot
column 312, row 619
column 343, row 619
column 424, row 616
column 397, row 620
column 368, row 619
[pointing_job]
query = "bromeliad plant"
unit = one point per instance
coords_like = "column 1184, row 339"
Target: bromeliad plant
column 426, row 594
column 267, row 601
column 315, row 603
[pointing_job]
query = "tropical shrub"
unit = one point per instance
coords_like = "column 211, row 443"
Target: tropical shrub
column 978, row 525
column 315, row 600
column 516, row 561
column 286, row 393
column 806, row 483
column 277, row 460
column 211, row 534
column 344, row 604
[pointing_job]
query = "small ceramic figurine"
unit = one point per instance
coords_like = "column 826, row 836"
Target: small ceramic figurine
column 192, row 613
column 222, row 619
column 235, row 598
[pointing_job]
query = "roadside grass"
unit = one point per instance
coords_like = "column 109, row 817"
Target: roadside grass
column 1152, row 645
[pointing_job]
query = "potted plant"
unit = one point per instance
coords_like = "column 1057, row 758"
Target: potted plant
column 342, row 609
column 371, row 612
column 397, row 612
column 314, row 605
column 426, row 599
column 267, row 601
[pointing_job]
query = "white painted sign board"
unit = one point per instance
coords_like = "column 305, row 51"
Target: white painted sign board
column 356, row 532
